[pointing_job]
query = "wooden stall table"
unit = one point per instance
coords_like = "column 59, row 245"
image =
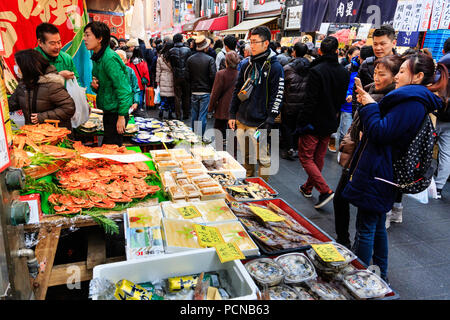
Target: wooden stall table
column 49, row 229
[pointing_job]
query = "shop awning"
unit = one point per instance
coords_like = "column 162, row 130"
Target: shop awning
column 189, row 27
column 247, row 25
column 215, row 24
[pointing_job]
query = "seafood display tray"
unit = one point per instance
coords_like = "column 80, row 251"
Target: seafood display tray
column 316, row 232
column 259, row 181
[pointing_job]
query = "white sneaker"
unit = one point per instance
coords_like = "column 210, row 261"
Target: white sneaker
column 397, row 215
column 388, row 219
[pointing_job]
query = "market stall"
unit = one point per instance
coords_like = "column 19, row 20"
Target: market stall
column 189, row 203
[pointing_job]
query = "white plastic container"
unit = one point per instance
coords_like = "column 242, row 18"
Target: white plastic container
column 180, row 264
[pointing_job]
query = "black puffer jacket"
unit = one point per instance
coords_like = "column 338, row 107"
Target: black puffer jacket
column 295, row 79
column 178, row 56
column 200, row 72
column 326, row 91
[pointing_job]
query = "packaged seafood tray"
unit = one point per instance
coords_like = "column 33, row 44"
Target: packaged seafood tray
column 229, row 164
column 251, row 189
column 214, row 211
column 242, row 286
column 364, row 284
column 297, row 267
column 348, row 255
column 176, row 193
column 224, row 179
column 283, row 292
column 204, row 153
column 182, row 211
column 211, row 193
column 143, row 235
column 310, row 233
column 326, row 290
column 168, row 165
column 179, row 235
column 265, row 271
column 160, row 155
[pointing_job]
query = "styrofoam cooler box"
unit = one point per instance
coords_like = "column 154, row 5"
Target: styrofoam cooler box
column 180, row 264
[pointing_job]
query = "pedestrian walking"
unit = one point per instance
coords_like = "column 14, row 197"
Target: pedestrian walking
column 229, row 44
column 165, row 81
column 200, row 73
column 140, row 68
column 178, row 56
column 295, row 78
column 318, row 118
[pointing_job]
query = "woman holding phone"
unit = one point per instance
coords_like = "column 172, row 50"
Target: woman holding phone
column 384, row 74
column 388, row 128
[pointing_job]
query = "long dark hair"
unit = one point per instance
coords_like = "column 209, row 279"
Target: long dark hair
column 165, row 50
column 32, row 65
column 421, row 62
column 137, row 53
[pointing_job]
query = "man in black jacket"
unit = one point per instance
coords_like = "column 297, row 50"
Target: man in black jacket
column 178, row 56
column 200, row 73
column 258, row 107
column 318, row 118
column 295, row 77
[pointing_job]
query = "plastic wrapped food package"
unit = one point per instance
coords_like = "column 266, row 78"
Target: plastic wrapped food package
column 215, row 210
column 364, row 284
column 325, row 290
column 303, row 293
column 172, row 211
column 234, row 232
column 297, row 267
column 265, row 271
column 179, row 234
column 225, row 179
column 282, row 292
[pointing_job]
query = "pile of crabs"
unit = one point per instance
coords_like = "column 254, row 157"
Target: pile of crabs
column 107, row 182
column 111, row 182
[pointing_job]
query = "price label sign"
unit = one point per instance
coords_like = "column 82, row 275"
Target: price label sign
column 328, row 252
column 189, row 212
column 208, row 236
column 266, row 214
column 228, row 252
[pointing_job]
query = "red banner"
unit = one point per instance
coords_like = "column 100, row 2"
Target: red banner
column 19, row 19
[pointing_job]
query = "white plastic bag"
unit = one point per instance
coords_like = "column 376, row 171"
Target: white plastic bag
column 432, row 189
column 82, row 109
column 157, row 99
column 422, row 197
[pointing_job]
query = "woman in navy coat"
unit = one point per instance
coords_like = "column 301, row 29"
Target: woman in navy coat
column 388, row 128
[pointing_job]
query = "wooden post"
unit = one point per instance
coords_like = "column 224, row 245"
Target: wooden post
column 45, row 254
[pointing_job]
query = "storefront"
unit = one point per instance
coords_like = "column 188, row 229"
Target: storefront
column 212, row 26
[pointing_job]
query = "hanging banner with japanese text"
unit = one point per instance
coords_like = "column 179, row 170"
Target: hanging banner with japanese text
column 377, row 12
column 314, row 12
column 436, row 14
column 343, row 11
column 19, row 19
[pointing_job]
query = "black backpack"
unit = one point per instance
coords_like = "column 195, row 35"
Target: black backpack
column 414, row 169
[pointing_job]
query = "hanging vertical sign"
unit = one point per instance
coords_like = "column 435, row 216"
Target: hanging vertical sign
column 445, row 18
column 261, row 2
column 246, row 5
column 216, row 9
column 407, row 39
column 399, row 14
column 436, row 14
column 426, row 15
column 234, row 5
column 408, row 19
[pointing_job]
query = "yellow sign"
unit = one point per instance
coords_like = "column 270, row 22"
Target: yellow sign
column 208, row 236
column 189, row 212
column 328, row 252
column 5, row 107
column 228, row 252
column 266, row 214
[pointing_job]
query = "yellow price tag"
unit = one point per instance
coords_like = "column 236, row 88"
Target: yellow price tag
column 266, row 214
column 189, row 212
column 208, row 236
column 160, row 134
column 328, row 252
column 228, row 252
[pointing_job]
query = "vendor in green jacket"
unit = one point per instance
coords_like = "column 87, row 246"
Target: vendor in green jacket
column 110, row 82
column 49, row 45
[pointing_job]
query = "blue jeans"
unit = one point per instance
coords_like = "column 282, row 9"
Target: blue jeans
column 141, row 100
column 199, row 104
column 344, row 125
column 371, row 241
